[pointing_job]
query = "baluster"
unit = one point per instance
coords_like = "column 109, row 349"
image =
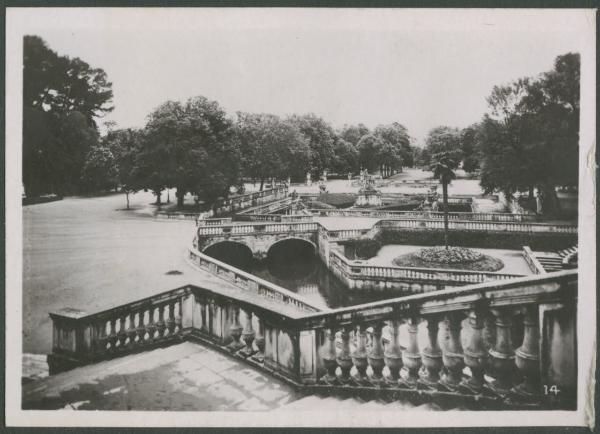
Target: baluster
column 375, row 356
column 160, row 325
column 328, row 355
column 248, row 336
column 343, row 359
column 431, row 356
column 235, row 331
column 141, row 328
column 503, row 356
column 101, row 336
column 122, row 334
column 178, row 315
column 170, row 323
column 528, row 357
column 452, row 353
column 131, row 332
column 411, row 356
column 112, row 337
column 259, row 341
column 359, row 355
column 151, row 327
column 475, row 355
column 393, row 354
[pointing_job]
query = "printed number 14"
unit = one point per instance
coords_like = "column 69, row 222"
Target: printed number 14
column 551, row 389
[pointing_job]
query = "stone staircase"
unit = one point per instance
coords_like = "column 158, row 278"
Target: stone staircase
column 555, row 261
column 317, row 402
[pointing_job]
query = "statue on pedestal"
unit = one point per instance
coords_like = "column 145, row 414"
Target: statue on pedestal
column 308, row 181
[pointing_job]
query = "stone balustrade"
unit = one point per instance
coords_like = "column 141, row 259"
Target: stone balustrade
column 248, row 282
column 361, row 276
column 500, row 344
column 345, row 234
column 464, row 216
column 259, row 228
column 534, row 264
column 274, row 218
column 269, row 207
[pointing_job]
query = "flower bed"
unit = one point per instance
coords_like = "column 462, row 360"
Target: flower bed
column 452, row 257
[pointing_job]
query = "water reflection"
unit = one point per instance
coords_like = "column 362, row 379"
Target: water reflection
column 294, row 266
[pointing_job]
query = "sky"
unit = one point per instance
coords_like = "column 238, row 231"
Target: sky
column 422, row 68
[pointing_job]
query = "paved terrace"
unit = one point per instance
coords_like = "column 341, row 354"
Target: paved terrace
column 183, row 377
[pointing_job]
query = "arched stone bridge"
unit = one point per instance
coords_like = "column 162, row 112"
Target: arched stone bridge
column 258, row 238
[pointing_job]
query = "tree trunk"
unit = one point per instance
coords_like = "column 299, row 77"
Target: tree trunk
column 445, row 195
column 531, row 193
column 127, row 197
column 550, row 203
column 168, row 196
column 180, row 196
column 158, row 193
column 262, row 183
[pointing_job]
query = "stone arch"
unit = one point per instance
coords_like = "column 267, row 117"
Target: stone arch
column 283, row 240
column 232, row 252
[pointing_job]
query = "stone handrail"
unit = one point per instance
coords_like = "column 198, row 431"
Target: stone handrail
column 248, row 282
column 241, row 229
column 268, row 207
column 356, row 274
column 256, row 195
column 214, row 221
column 382, row 214
column 480, row 226
column 505, row 332
column 274, row 217
column 533, row 262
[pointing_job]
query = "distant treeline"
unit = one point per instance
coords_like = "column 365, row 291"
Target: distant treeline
column 194, row 146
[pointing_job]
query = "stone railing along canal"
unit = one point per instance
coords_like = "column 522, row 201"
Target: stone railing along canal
column 516, row 337
column 359, row 276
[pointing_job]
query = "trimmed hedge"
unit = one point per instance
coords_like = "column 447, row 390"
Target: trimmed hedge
column 505, row 240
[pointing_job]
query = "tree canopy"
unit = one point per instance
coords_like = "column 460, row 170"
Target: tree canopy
column 190, row 146
column 62, row 97
column 530, row 138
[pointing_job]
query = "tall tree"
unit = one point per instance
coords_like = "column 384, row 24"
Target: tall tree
column 395, row 135
column 62, row 97
column 470, row 148
column 125, row 146
column 540, row 118
column 353, row 133
column 271, row 147
column 190, row 146
column 368, row 150
column 444, row 139
column 100, row 171
column 320, row 136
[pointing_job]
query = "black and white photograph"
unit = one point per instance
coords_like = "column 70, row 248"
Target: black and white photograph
column 296, row 217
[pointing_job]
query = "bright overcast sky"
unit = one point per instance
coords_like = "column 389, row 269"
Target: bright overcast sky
column 420, row 68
